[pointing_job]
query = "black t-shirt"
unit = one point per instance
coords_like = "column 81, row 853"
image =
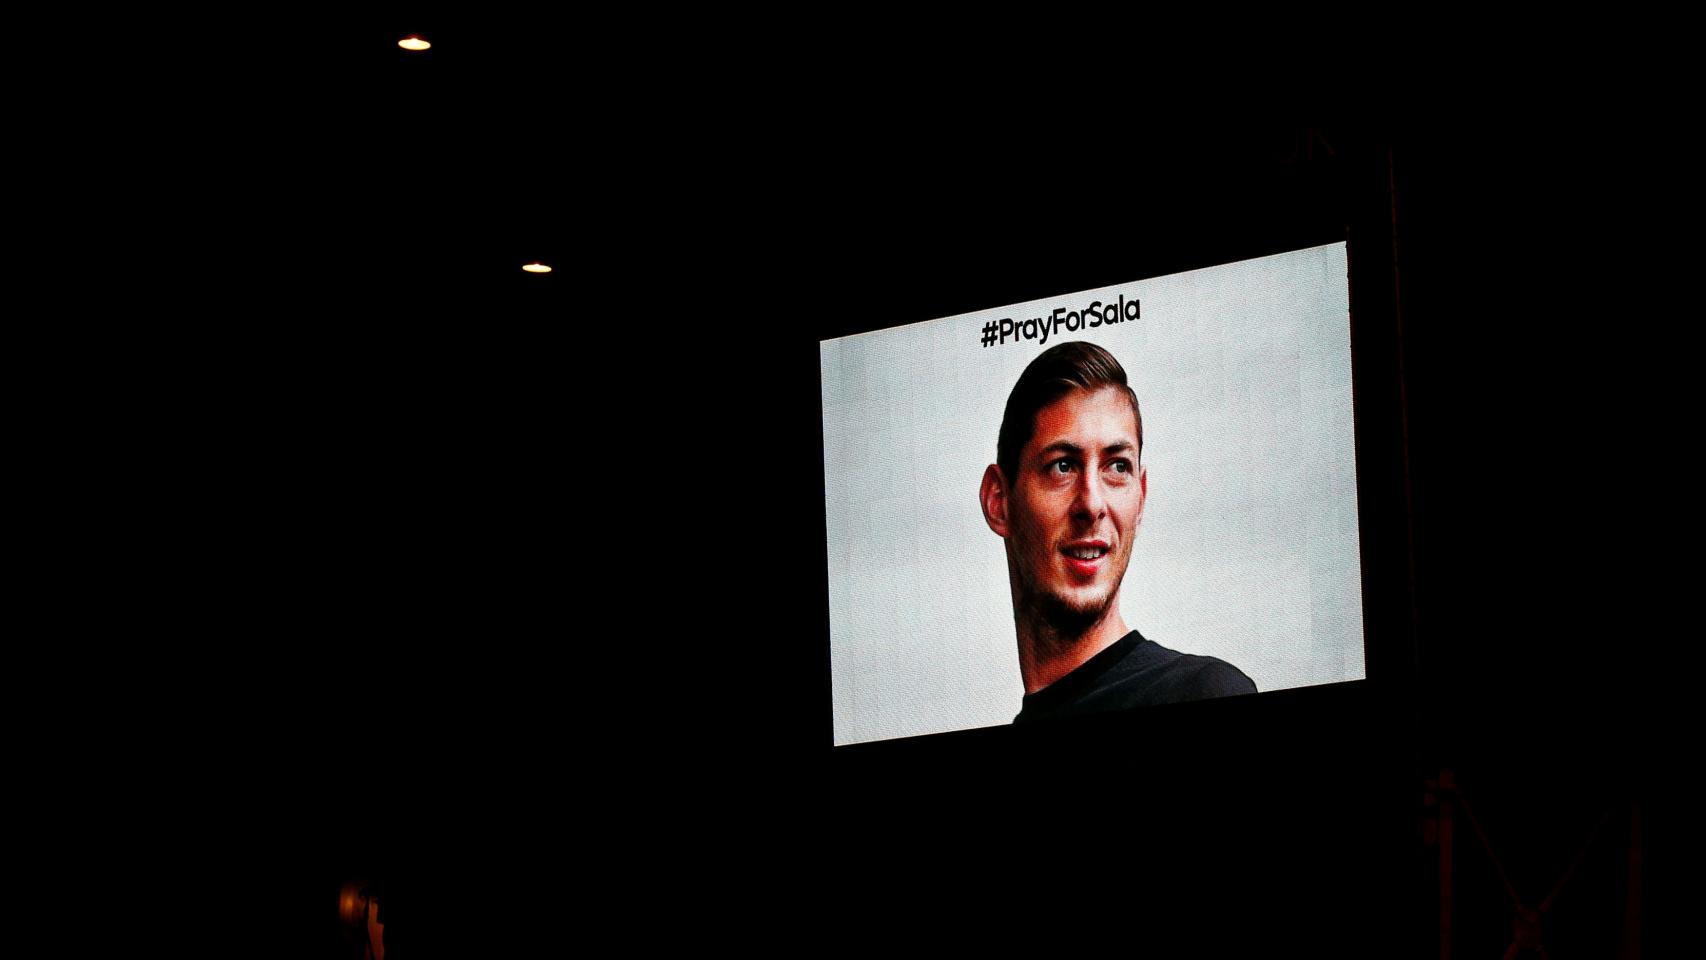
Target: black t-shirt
column 1134, row 672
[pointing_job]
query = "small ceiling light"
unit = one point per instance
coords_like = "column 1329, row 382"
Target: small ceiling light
column 536, row 268
column 414, row 43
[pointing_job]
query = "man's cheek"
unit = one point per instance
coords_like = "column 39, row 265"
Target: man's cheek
column 1036, row 549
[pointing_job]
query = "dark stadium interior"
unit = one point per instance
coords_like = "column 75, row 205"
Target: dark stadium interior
column 544, row 641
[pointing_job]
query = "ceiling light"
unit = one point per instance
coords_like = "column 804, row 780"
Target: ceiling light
column 414, row 43
column 536, row 268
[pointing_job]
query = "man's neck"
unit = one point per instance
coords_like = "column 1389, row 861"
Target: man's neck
column 1046, row 654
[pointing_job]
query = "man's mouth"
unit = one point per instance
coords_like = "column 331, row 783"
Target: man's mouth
column 1084, row 557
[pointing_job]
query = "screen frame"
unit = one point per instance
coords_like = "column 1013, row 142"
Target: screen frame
column 1345, row 197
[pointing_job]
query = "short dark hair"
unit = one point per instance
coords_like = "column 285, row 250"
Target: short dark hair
column 1056, row 372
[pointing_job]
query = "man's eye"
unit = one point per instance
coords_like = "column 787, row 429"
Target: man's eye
column 1121, row 466
column 1060, row 466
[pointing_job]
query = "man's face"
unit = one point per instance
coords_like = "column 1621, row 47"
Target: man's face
column 1075, row 503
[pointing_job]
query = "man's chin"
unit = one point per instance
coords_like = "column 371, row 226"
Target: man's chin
column 1073, row 614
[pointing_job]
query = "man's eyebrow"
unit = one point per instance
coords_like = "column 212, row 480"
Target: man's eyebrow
column 1058, row 447
column 1063, row 446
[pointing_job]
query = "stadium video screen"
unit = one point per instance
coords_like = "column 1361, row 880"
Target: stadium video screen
column 1014, row 534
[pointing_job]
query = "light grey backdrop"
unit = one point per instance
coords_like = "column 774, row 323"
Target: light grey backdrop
column 1248, row 548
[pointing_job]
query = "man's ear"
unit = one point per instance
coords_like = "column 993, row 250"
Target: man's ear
column 993, row 495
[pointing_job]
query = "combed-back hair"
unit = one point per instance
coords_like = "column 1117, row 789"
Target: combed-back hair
column 1056, row 372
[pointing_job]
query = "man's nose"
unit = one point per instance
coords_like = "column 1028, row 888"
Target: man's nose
column 1091, row 498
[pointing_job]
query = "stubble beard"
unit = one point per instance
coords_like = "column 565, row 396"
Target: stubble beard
column 1064, row 617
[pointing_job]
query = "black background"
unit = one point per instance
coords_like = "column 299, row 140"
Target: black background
column 505, row 591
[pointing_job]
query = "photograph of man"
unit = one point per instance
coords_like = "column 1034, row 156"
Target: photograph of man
column 1067, row 493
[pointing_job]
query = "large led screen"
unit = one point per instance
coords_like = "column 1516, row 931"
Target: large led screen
column 1207, row 516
